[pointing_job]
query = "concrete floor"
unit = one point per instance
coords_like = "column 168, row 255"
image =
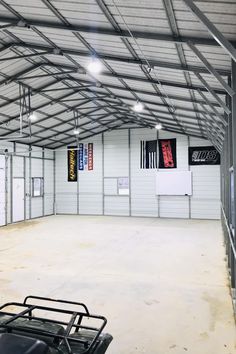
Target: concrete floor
column 161, row 283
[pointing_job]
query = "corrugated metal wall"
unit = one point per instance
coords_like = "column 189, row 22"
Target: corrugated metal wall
column 25, row 164
column 117, row 154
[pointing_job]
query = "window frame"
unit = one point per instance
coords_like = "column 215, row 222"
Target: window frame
column 41, row 187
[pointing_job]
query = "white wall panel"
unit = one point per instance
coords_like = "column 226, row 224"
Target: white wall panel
column 2, row 191
column 36, row 171
column 116, row 164
column 27, row 188
column 66, row 192
column 48, row 187
column 116, row 205
column 18, row 166
column 91, row 182
column 172, row 206
column 205, row 201
column 116, row 154
column 143, row 184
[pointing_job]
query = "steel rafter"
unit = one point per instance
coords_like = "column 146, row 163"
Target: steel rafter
column 141, row 79
column 131, row 50
column 211, row 69
column 117, row 58
column 216, row 34
column 23, row 23
column 180, row 52
column 212, row 92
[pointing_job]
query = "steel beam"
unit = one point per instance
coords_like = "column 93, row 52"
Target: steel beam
column 27, row 24
column 212, row 70
column 212, row 92
column 54, row 116
column 216, row 34
column 219, row 131
column 168, row 5
column 222, row 118
column 22, row 56
column 213, row 120
column 142, row 80
column 35, row 67
column 233, row 102
column 122, row 59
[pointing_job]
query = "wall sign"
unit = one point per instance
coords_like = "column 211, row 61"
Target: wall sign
column 123, row 185
column 72, row 164
column 81, row 157
column 90, row 156
column 167, row 153
column 203, row 155
column 85, row 157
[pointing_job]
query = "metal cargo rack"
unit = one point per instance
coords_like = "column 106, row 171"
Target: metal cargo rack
column 71, row 336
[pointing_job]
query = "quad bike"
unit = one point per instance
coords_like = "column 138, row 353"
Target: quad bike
column 41, row 325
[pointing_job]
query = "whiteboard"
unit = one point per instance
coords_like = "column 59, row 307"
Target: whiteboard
column 174, row 183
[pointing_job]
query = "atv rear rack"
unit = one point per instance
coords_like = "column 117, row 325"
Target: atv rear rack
column 71, row 334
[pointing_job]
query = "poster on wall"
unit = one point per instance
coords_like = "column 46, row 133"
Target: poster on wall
column 167, row 153
column 72, row 164
column 85, row 157
column 123, row 185
column 148, row 154
column 203, row 155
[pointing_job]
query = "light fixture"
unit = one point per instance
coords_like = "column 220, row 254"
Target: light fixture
column 94, row 66
column 33, row 117
column 158, row 126
column 76, row 131
column 138, row 107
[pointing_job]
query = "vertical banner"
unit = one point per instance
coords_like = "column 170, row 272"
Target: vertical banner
column 90, row 156
column 85, row 156
column 167, row 153
column 81, row 157
column 72, row 164
column 148, row 154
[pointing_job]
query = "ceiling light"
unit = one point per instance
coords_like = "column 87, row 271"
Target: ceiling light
column 76, row 131
column 158, row 126
column 33, row 116
column 94, row 67
column 138, row 107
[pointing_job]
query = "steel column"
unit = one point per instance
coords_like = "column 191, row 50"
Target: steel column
column 216, row 34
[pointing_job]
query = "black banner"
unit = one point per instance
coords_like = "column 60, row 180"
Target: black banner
column 167, row 153
column 203, row 155
column 148, row 154
column 72, row 164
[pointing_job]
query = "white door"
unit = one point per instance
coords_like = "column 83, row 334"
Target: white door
column 18, row 202
column 2, row 192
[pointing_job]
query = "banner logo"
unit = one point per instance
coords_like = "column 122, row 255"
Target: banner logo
column 81, row 157
column 85, row 157
column 90, row 156
column 167, row 153
column 204, row 155
column 72, row 164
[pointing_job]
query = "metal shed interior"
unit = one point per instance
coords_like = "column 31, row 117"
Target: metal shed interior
column 175, row 58
column 156, row 52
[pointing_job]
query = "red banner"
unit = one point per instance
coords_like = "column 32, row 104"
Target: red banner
column 90, row 156
column 167, row 153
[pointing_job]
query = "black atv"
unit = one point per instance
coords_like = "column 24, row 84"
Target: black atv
column 41, row 325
